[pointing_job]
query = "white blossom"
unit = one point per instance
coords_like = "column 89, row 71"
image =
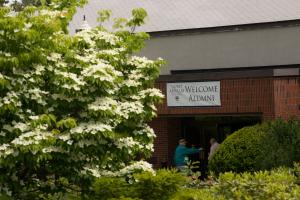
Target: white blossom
column 140, row 62
column 8, row 128
column 31, row 137
column 151, row 92
column 85, row 143
column 53, row 149
column 21, row 126
column 50, row 13
column 54, row 57
column 126, row 108
column 64, row 137
column 145, row 130
column 103, row 104
column 140, row 165
column 127, row 143
column 91, row 128
column 134, row 167
column 3, row 147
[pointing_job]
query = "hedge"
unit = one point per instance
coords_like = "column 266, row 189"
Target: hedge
column 259, row 147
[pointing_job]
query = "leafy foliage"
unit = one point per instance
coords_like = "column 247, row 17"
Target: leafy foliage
column 276, row 184
column 284, row 141
column 193, row 194
column 281, row 183
column 146, row 186
column 259, row 147
column 241, row 151
column 72, row 108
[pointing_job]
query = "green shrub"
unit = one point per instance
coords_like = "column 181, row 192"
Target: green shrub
column 259, row 147
column 241, row 151
column 275, row 184
column 281, row 183
column 193, row 194
column 110, row 188
column 161, row 186
column 283, row 144
column 145, row 186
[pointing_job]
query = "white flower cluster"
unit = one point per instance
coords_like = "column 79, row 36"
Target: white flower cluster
column 95, row 171
column 151, row 92
column 112, row 52
column 91, row 128
column 6, row 191
column 127, row 143
column 62, row 97
column 37, row 95
column 132, row 81
column 85, row 143
column 140, row 62
column 133, row 168
column 5, row 150
column 101, row 72
column 32, row 137
column 76, row 81
column 149, row 147
column 15, row 125
column 54, row 57
column 27, row 26
column 53, row 149
column 126, row 109
column 21, row 126
column 8, row 127
column 50, row 13
column 136, row 167
column 12, row 99
column 103, row 104
column 89, row 57
column 145, row 130
column 39, row 69
column 85, row 35
column 97, row 34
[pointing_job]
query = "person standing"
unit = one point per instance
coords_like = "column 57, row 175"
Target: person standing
column 214, row 145
column 181, row 153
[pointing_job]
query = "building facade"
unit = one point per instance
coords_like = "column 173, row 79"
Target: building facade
column 230, row 64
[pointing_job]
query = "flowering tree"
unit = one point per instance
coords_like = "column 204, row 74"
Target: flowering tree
column 71, row 107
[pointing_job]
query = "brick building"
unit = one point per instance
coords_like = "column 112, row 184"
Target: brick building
column 230, row 64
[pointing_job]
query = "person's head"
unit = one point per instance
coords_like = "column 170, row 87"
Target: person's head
column 182, row 142
column 212, row 140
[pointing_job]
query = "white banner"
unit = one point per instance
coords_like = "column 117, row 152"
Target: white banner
column 194, row 94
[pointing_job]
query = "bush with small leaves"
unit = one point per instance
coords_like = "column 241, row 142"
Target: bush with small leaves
column 144, row 186
column 241, row 151
column 276, row 184
column 259, row 147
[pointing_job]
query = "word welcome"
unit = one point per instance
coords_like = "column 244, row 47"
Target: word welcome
column 194, row 94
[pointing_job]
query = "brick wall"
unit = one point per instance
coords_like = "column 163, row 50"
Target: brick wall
column 168, row 131
column 174, row 129
column 271, row 97
column 287, row 97
column 238, row 96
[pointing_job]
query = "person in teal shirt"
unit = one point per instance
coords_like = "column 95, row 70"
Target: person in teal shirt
column 181, row 153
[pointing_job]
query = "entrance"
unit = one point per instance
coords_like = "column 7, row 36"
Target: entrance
column 198, row 130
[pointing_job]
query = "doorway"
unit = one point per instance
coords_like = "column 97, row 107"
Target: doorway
column 198, row 130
